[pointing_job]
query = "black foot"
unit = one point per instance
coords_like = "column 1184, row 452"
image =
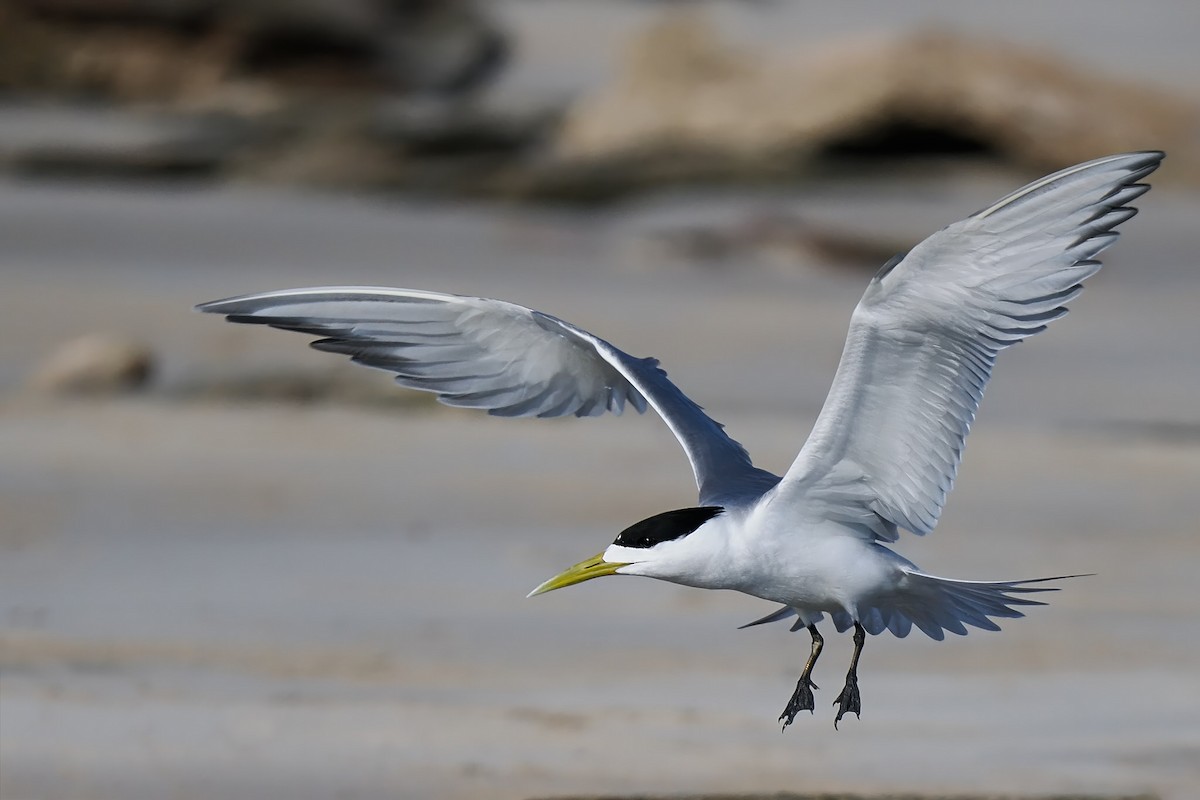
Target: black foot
column 802, row 700
column 849, row 701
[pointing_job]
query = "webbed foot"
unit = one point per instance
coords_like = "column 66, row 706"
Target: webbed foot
column 849, row 701
column 802, row 700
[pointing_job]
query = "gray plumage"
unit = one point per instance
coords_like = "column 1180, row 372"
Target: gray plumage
column 884, row 450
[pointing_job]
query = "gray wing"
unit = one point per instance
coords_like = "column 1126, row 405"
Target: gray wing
column 885, row 448
column 505, row 358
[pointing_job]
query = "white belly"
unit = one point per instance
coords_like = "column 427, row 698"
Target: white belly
column 826, row 569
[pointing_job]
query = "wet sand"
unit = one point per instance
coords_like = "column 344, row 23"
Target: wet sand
column 202, row 598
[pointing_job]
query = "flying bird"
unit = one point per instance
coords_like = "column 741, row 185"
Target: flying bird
column 883, row 452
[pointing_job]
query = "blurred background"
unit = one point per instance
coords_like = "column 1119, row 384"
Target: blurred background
column 233, row 567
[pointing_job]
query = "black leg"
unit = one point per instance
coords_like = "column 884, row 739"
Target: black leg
column 802, row 698
column 849, row 700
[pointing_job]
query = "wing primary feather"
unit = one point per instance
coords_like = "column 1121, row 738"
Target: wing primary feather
column 502, row 358
column 924, row 339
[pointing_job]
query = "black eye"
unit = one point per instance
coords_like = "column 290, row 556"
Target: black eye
column 666, row 526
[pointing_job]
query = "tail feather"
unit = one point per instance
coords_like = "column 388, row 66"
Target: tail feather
column 933, row 605
column 936, row 605
column 899, row 625
column 775, row 616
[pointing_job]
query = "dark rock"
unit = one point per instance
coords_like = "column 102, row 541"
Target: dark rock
column 203, row 52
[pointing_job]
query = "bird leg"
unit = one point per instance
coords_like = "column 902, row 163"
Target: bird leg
column 802, row 698
column 849, row 700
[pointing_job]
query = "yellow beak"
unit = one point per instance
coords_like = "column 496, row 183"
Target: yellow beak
column 594, row 567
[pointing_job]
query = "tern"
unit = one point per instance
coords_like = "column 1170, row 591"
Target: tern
column 883, row 452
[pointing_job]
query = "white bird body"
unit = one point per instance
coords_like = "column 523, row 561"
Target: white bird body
column 811, row 569
column 883, row 452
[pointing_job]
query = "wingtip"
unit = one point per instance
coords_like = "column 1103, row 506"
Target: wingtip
column 1135, row 157
column 215, row 306
column 243, row 304
column 1144, row 163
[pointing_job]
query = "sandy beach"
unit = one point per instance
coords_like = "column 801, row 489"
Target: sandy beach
column 271, row 574
column 201, row 597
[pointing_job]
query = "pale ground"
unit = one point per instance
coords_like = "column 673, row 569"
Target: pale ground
column 211, row 600
column 206, row 600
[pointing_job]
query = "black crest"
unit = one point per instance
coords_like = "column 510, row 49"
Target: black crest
column 666, row 526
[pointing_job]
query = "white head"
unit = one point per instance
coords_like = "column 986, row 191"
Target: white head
column 665, row 546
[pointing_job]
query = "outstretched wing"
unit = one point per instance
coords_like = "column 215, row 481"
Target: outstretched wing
column 505, row 358
column 885, row 448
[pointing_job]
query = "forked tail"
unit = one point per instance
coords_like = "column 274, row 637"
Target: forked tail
column 933, row 605
column 936, row 605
